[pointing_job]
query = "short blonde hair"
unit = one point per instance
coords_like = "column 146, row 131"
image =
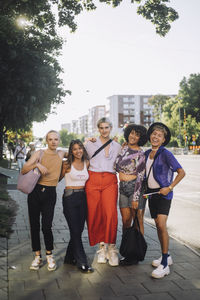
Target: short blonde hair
column 104, row 120
column 160, row 128
column 52, row 131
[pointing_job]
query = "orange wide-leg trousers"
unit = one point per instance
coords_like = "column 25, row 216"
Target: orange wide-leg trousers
column 102, row 193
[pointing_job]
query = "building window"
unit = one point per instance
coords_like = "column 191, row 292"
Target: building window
column 128, row 100
column 146, row 106
column 131, row 105
column 126, row 112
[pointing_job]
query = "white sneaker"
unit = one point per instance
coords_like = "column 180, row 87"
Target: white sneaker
column 51, row 263
column 157, row 262
column 160, row 271
column 36, row 263
column 101, row 254
column 112, row 255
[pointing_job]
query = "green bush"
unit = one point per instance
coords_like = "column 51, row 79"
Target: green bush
column 4, row 163
column 7, row 214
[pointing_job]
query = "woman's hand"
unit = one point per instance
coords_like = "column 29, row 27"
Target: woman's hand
column 164, row 191
column 92, row 139
column 124, row 144
column 43, row 170
column 135, row 204
column 64, row 168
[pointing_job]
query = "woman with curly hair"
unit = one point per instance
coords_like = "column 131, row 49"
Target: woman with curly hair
column 130, row 165
column 75, row 171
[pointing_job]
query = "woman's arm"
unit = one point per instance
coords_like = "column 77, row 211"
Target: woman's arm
column 181, row 173
column 87, row 164
column 33, row 163
column 64, row 169
column 138, row 184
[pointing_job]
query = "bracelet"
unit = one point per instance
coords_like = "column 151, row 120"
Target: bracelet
column 170, row 187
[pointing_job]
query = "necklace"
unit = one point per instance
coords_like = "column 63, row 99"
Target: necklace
column 154, row 149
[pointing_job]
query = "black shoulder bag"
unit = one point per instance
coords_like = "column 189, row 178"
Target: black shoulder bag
column 101, row 148
column 133, row 245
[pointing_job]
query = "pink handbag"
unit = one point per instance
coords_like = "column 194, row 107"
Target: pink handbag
column 27, row 182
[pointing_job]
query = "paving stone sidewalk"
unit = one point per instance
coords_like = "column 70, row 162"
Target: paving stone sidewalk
column 106, row 283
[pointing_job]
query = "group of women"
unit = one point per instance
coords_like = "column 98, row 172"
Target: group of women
column 91, row 191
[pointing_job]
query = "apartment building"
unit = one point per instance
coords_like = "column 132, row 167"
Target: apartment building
column 75, row 126
column 83, row 125
column 66, row 126
column 95, row 113
column 129, row 109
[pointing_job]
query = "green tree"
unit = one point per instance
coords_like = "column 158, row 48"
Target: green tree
column 158, row 101
column 66, row 137
column 156, row 11
column 29, row 76
column 26, row 136
column 29, row 71
column 189, row 94
column 192, row 128
column 173, row 117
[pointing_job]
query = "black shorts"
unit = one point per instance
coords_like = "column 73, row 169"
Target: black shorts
column 158, row 205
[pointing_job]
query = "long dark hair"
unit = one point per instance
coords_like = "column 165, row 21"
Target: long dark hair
column 70, row 157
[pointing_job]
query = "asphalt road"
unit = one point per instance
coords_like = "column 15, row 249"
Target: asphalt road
column 184, row 217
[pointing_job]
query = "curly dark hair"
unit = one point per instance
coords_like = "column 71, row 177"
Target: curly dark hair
column 141, row 130
column 70, row 157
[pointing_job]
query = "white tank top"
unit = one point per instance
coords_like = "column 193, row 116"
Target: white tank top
column 152, row 183
column 77, row 177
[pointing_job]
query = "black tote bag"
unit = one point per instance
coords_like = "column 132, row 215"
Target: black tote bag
column 133, row 244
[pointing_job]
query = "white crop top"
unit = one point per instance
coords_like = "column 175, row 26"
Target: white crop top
column 152, row 183
column 77, row 177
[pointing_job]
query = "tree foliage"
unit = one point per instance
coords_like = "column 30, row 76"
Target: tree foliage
column 26, row 136
column 66, row 137
column 29, row 73
column 189, row 94
column 158, row 101
column 30, row 81
column 155, row 11
column 182, row 112
column 180, row 122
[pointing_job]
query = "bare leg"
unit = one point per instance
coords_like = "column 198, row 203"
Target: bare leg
column 161, row 225
column 126, row 216
column 141, row 220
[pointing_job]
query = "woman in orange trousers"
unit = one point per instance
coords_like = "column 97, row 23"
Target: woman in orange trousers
column 102, row 193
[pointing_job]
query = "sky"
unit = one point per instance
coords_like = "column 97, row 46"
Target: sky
column 115, row 51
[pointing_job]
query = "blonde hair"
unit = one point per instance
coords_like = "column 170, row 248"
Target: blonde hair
column 52, row 131
column 160, row 128
column 104, row 120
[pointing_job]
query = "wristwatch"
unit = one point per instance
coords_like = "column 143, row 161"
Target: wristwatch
column 170, row 187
